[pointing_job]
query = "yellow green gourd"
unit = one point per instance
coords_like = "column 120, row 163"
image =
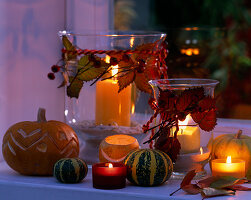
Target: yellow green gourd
column 70, row 170
column 147, row 167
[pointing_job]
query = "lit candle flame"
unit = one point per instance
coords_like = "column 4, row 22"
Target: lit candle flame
column 107, row 59
column 201, row 151
column 185, row 122
column 110, row 165
column 115, row 69
column 131, row 42
column 229, row 160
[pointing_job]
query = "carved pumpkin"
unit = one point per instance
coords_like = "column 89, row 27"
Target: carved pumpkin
column 32, row 148
column 116, row 147
column 234, row 145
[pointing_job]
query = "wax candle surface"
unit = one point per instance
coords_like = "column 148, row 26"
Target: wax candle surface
column 188, row 136
column 236, row 168
column 112, row 107
column 116, row 147
column 109, row 175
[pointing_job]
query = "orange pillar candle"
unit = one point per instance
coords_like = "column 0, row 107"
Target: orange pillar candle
column 112, row 108
column 228, row 167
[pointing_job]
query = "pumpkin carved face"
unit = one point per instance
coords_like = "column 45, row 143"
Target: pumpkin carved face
column 32, row 148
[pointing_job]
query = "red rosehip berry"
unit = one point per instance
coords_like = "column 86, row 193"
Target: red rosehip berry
column 92, row 58
column 141, row 63
column 55, row 68
column 113, row 61
column 141, row 66
column 97, row 64
column 51, row 76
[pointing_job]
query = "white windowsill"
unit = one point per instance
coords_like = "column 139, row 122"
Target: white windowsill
column 225, row 126
column 14, row 186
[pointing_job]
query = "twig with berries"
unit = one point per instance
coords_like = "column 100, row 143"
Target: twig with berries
column 139, row 66
column 171, row 107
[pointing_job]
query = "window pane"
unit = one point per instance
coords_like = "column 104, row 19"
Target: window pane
column 200, row 50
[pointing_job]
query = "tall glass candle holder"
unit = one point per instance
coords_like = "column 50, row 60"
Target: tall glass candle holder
column 190, row 102
column 108, row 69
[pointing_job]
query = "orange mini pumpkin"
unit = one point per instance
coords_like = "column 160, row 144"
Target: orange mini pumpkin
column 32, row 148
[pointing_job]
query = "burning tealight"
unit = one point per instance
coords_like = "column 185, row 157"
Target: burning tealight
column 109, row 175
column 228, row 167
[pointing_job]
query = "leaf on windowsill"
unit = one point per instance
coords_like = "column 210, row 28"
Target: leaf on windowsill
column 191, row 189
column 213, row 192
column 212, row 186
column 226, row 181
column 126, row 80
column 186, row 184
column 207, row 181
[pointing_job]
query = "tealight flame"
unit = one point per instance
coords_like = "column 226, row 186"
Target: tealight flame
column 229, row 160
column 110, row 165
column 201, row 151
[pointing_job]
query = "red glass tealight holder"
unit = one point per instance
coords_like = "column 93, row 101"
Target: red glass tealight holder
column 109, row 175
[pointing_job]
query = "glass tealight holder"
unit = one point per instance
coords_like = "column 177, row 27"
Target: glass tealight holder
column 100, row 110
column 194, row 153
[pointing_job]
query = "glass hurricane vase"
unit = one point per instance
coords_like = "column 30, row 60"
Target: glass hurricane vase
column 191, row 136
column 100, row 110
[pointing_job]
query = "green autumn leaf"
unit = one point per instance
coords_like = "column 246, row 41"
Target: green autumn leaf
column 74, row 88
column 224, row 181
column 67, row 44
column 86, row 70
column 90, row 73
column 213, row 192
column 69, row 47
column 83, row 61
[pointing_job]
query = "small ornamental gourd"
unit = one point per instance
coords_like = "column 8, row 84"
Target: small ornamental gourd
column 32, row 148
column 234, row 145
column 148, row 167
column 70, row 170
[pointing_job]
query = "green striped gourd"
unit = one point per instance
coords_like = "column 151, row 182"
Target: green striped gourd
column 70, row 170
column 147, row 167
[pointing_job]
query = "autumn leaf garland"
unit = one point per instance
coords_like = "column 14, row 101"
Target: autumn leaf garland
column 145, row 62
column 172, row 107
